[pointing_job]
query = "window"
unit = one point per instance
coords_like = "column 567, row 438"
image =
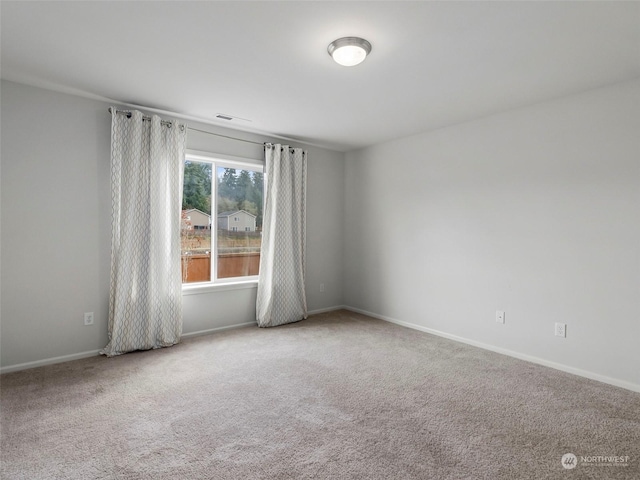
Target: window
column 212, row 249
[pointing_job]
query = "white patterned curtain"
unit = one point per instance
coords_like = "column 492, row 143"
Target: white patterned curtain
column 281, row 287
column 147, row 164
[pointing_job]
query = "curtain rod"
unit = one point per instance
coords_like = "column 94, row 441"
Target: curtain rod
column 226, row 136
column 166, row 122
column 127, row 113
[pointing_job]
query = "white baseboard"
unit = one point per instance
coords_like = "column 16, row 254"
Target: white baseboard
column 540, row 361
column 325, row 310
column 529, row 358
column 49, row 361
column 93, row 353
column 239, row 325
column 216, row 329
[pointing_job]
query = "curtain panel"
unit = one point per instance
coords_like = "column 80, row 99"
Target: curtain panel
column 281, row 283
column 145, row 301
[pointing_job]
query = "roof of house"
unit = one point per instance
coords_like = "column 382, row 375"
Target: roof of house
column 233, row 212
column 195, row 210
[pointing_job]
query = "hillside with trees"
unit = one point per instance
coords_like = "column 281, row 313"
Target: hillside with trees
column 236, row 189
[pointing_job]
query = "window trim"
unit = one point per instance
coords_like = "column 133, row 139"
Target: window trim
column 209, row 287
column 224, row 161
column 199, row 155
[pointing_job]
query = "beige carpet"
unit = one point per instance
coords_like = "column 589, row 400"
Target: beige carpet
column 338, row 396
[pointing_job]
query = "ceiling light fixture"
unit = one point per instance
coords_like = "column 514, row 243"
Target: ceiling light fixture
column 349, row 51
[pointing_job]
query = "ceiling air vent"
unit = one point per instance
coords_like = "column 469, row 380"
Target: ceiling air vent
column 231, row 118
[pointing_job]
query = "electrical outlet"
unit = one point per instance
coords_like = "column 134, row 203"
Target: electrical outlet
column 322, row 287
column 88, row 318
column 561, row 330
column 499, row 316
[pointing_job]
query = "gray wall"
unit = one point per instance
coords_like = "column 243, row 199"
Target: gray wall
column 55, row 167
column 535, row 211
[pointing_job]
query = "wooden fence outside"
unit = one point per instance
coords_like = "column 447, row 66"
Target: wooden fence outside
column 197, row 268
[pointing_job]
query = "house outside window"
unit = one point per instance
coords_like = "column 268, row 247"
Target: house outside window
column 213, row 250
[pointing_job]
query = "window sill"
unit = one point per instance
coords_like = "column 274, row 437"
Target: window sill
column 198, row 289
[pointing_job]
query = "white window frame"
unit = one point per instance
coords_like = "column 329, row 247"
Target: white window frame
column 224, row 161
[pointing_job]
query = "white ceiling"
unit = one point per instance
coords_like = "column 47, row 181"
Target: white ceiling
column 433, row 63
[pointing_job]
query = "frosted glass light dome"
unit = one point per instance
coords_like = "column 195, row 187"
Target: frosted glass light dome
column 349, row 51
